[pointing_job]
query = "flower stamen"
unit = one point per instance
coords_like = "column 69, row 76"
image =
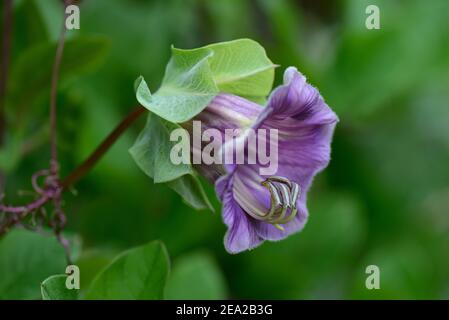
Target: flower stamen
column 284, row 195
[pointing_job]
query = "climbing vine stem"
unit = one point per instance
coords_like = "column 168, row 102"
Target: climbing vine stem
column 47, row 185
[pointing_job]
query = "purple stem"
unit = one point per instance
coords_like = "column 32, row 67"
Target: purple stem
column 27, row 208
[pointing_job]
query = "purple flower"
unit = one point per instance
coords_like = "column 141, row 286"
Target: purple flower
column 258, row 207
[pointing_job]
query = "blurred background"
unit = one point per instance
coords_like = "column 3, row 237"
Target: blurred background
column 383, row 200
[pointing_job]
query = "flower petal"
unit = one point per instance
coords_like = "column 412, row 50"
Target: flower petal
column 305, row 126
column 241, row 234
column 227, row 111
column 298, row 99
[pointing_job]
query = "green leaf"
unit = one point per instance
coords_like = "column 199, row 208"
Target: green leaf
column 241, row 67
column 54, row 288
column 186, row 89
column 194, row 77
column 196, row 277
column 192, row 191
column 191, row 81
column 139, row 273
column 151, row 152
column 25, row 259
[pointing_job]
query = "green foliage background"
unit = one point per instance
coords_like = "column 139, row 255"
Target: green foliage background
column 383, row 200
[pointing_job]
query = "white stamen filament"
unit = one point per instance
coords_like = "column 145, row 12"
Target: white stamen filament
column 283, row 193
